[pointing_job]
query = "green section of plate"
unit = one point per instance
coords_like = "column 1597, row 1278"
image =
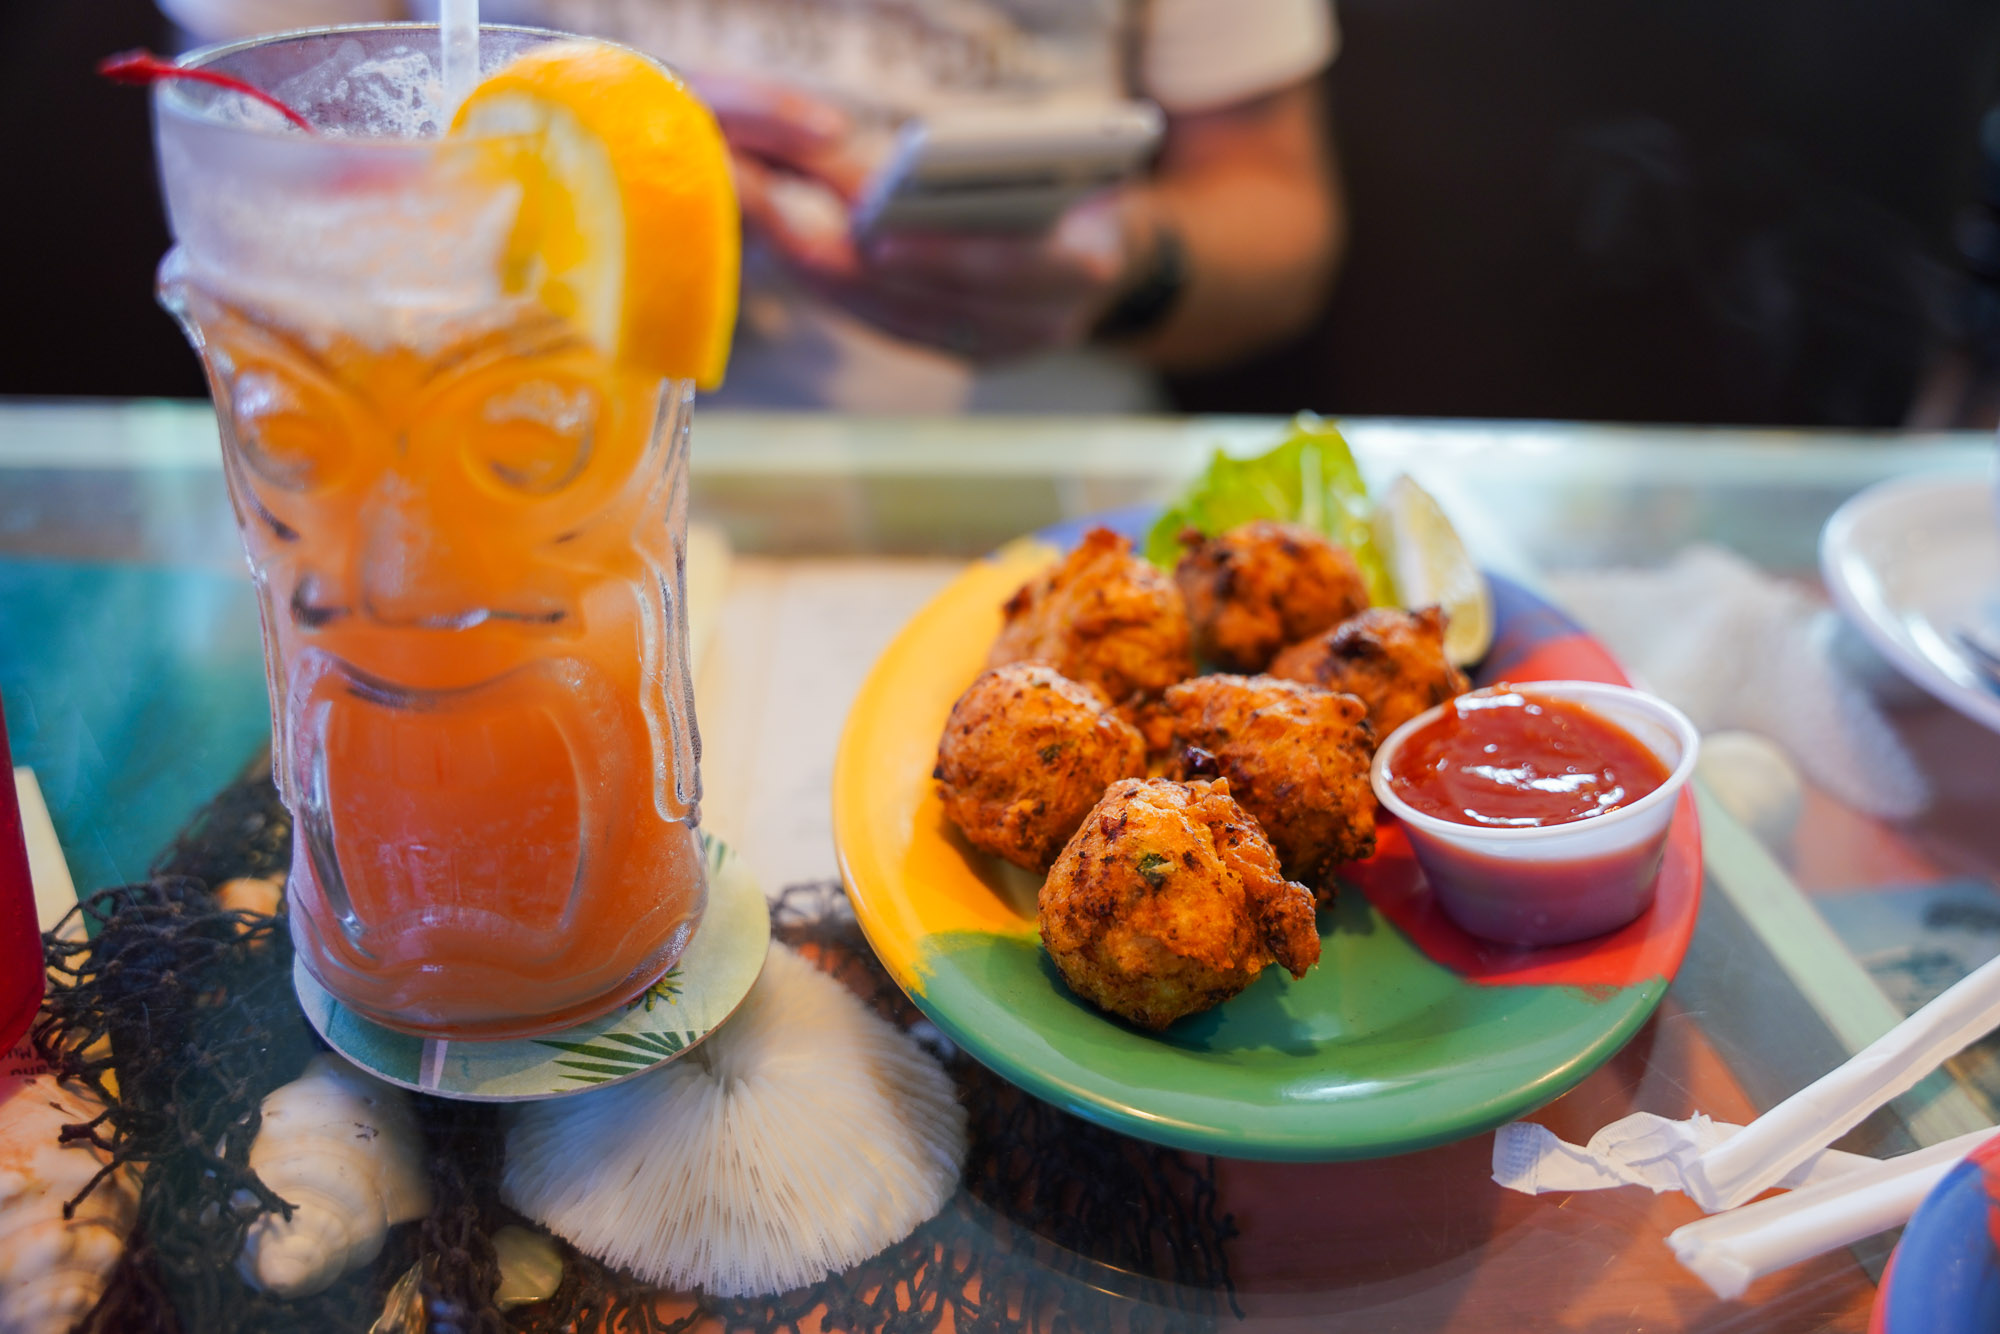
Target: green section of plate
column 674, row 1015
column 1377, row 1050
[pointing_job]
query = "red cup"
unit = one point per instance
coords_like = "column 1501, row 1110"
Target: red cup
column 21, row 974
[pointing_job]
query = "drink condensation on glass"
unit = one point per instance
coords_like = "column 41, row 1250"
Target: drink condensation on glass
column 466, row 522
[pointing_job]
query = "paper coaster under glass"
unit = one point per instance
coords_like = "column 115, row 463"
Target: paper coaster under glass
column 673, row 1016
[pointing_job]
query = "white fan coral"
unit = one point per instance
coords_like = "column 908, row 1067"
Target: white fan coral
column 53, row 1269
column 343, row 1147
column 805, row 1136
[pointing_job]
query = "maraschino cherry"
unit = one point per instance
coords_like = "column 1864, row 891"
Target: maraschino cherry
column 141, row 66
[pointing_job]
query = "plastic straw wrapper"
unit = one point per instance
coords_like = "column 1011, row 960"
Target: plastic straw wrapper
column 1745, row 1165
column 1639, row 1150
column 1730, row 1249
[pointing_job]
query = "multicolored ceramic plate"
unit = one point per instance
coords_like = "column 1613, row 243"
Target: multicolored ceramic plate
column 1409, row 1033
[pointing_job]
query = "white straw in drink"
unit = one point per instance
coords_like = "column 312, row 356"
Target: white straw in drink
column 458, row 36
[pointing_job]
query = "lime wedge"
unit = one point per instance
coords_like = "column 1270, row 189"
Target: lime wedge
column 1431, row 565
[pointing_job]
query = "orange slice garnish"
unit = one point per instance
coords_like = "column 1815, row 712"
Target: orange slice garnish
column 628, row 221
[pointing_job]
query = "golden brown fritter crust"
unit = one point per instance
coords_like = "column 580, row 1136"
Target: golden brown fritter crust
column 1169, row 900
column 1263, row 585
column 1394, row 660
column 1155, row 722
column 1025, row 753
column 1296, row 758
column 1102, row 616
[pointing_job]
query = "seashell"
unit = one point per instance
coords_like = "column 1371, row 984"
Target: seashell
column 803, row 1137
column 1756, row 782
column 403, row 1308
column 531, row 1266
column 343, row 1147
column 53, row 1269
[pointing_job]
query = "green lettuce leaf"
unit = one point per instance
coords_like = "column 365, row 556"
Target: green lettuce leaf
column 1310, row 479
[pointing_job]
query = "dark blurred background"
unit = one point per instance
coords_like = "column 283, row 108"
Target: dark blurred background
column 82, row 229
column 1742, row 211
column 1745, row 211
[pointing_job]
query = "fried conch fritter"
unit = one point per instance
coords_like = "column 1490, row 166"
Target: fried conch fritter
column 1102, row 616
column 1393, row 660
column 1169, row 900
column 1263, row 585
column 1025, row 753
column 1296, row 758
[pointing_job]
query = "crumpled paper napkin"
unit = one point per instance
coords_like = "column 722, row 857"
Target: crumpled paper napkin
column 1735, row 648
column 1638, row 1150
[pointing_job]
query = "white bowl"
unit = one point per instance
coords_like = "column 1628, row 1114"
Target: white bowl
column 1551, row 884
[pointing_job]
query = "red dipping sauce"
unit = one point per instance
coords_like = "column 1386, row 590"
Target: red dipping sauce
column 1539, row 813
column 1514, row 761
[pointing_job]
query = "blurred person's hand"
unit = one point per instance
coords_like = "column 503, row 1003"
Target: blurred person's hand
column 989, row 295
column 798, row 166
column 982, row 295
column 1229, row 244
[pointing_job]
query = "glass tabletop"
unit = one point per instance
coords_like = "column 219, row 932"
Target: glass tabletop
column 132, row 679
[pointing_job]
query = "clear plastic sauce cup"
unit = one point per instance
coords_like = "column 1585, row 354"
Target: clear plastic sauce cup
column 1550, row 884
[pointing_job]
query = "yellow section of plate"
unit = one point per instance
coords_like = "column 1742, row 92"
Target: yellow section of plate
column 887, row 820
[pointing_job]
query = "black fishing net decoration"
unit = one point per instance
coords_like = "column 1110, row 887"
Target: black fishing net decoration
column 190, row 1006
column 1059, row 1226
column 244, row 831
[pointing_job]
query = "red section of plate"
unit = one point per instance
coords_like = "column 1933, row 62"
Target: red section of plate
column 1650, row 946
column 1571, row 658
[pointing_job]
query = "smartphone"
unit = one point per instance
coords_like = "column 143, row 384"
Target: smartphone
column 1010, row 169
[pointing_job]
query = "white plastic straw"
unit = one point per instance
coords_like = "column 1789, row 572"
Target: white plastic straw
column 1638, row 1150
column 458, row 36
column 1728, row 1250
column 1803, row 1124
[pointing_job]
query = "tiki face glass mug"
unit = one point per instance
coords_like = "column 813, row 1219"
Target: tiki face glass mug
column 466, row 524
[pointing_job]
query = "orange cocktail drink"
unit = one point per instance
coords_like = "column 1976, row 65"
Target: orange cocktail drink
column 463, row 498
